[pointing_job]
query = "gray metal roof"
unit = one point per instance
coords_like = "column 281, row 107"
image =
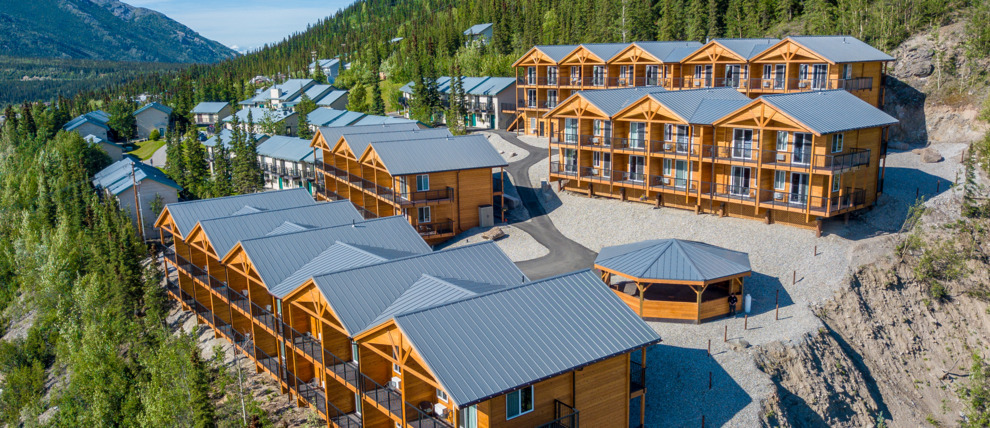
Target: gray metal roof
column 556, row 52
column 258, row 114
column 431, row 291
column 702, row 106
column 382, row 284
column 747, row 48
column 277, row 257
column 331, row 97
column 96, row 117
column 605, row 51
column 611, row 101
column 209, row 107
column 477, row 29
column 663, row 50
column 679, row 54
column 841, row 48
column 227, row 136
column 286, row 148
column 187, row 214
column 825, row 112
column 521, row 335
column 491, row 86
column 225, row 232
column 333, row 134
column 673, row 260
column 116, row 178
column 338, row 256
column 359, row 142
column 153, row 105
column 405, row 157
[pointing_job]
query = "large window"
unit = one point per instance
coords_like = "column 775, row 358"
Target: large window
column 652, row 71
column 519, row 402
column 781, row 141
column 637, row 135
column 552, row 75
column 802, row 148
column 740, row 181
column 422, row 182
column 425, row 216
column 836, row 183
column 570, row 130
column 531, row 75
column 637, row 167
column 531, row 98
column 551, row 98
column 598, row 75
column 837, row 142
column 468, row 417
column 667, row 166
column 742, row 143
column 779, row 180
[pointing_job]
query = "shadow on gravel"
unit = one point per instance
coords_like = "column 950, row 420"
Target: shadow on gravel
column 764, row 288
column 678, row 393
column 902, row 187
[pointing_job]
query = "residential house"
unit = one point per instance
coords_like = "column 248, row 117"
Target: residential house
column 795, row 158
column 136, row 186
column 330, row 68
column 479, row 34
column 287, row 162
column 112, row 149
column 93, row 123
column 288, row 94
column 279, row 284
column 227, row 136
column 211, row 113
column 547, row 74
column 286, row 120
column 152, row 116
column 489, row 102
column 443, row 184
column 325, row 117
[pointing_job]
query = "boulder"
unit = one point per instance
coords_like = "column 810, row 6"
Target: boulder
column 738, row 344
column 494, row 234
column 930, row 155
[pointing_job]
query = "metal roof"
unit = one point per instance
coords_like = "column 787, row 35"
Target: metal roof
column 371, row 119
column 359, row 142
column 96, row 117
column 826, row 112
column 663, row 50
column 747, row 48
column 338, row 256
column 287, row 227
column 611, row 101
column 287, row 148
column 605, row 51
column 275, row 258
column 187, row 214
column 841, row 48
column 679, row 54
column 332, row 134
column 521, row 335
column 431, row 291
column 258, row 113
column 331, row 97
column 227, row 136
column 702, row 106
column 673, row 260
column 156, row 106
column 556, row 52
column 209, row 107
column 405, row 157
column 116, row 178
column 383, row 283
column 477, row 29
column 225, row 232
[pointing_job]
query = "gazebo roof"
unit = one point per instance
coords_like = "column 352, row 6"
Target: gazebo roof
column 673, row 260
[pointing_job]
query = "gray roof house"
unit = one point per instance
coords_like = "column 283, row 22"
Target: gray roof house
column 118, row 181
column 92, row 123
column 486, row 99
column 185, row 215
column 479, row 33
column 112, row 149
column 151, row 117
column 330, row 67
column 209, row 113
column 288, row 162
column 288, row 94
column 286, row 118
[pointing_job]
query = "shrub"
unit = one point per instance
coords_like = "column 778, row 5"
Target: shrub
column 154, row 135
column 939, row 264
column 977, row 395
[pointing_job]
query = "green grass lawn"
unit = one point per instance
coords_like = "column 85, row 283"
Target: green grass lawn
column 147, row 148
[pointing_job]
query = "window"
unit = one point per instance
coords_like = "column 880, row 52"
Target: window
column 570, row 130
column 531, row 75
column 668, row 132
column 779, row 180
column 637, row 135
column 732, row 75
column 740, row 181
column 803, row 72
column 651, row 75
column 531, row 98
column 837, row 142
column 802, row 148
column 836, row 183
column 441, row 395
column 551, row 98
column 596, row 159
column 667, row 166
column 422, row 183
column 781, row 141
column 819, row 76
column 575, row 75
column 552, row 75
column 597, row 127
column 532, row 125
column 469, row 417
column 424, row 214
column 847, row 71
column 742, row 143
column 519, row 402
column 682, row 138
column 636, row 166
column 598, row 73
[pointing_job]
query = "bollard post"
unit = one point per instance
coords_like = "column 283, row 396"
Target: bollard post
column 709, row 380
column 938, row 185
column 702, row 421
column 709, row 347
column 746, row 322
column 725, row 337
column 917, row 192
column 794, row 277
column 776, row 302
column 816, row 251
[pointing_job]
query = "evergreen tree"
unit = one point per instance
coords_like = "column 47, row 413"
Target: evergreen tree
column 304, row 130
column 306, row 105
column 197, row 168
column 28, row 128
column 377, row 103
column 204, row 414
column 318, row 75
column 122, row 120
column 221, row 170
column 174, row 158
column 246, row 174
column 356, row 98
column 456, row 112
column 696, row 27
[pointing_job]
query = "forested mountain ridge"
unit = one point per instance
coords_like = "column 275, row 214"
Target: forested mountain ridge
column 101, row 30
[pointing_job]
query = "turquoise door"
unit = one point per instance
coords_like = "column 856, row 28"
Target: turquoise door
column 280, row 183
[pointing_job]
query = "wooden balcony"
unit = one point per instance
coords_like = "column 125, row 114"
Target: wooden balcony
column 438, row 229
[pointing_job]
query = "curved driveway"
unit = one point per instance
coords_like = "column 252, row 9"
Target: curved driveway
column 565, row 255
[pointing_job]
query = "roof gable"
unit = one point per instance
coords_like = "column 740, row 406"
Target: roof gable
column 673, row 260
column 187, row 214
column 834, row 49
column 121, row 175
column 420, row 156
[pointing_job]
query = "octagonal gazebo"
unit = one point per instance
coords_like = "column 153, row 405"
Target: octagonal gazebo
column 673, row 279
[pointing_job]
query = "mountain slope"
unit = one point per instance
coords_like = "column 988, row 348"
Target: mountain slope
column 100, row 30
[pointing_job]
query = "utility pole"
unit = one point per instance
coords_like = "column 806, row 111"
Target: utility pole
column 137, row 202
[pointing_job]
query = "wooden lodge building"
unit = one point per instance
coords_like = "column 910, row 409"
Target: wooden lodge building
column 547, row 75
column 443, row 184
column 360, row 321
column 792, row 158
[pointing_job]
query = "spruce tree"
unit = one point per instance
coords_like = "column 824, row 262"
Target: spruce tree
column 456, row 112
column 197, row 168
column 174, row 159
column 204, row 413
column 221, row 185
column 318, row 75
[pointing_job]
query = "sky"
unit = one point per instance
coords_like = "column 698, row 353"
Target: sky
column 244, row 24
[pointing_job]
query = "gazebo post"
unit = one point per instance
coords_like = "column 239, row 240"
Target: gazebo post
column 700, row 292
column 639, row 286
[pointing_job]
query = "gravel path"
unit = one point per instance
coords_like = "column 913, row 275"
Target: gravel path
column 510, row 152
column 518, row 245
column 780, row 255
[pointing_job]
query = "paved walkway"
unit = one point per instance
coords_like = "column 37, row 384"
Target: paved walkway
column 157, row 159
column 565, row 255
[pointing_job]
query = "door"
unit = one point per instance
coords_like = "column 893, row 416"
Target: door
column 779, row 76
column 680, row 174
column 531, row 98
column 570, row 130
column 531, row 75
column 652, row 72
column 637, row 135
column 732, row 75
column 740, row 181
column 541, row 128
column 799, row 188
column 819, row 76
column 682, row 139
column 551, row 75
column 802, row 148
column 637, row 164
column 570, row 160
column 742, row 143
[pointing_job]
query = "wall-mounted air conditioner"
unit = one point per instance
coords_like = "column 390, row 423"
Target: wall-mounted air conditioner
column 440, row 410
column 781, row 157
column 766, row 83
column 803, row 85
column 395, row 383
column 245, row 292
column 666, row 181
column 668, row 147
column 268, row 308
column 778, row 195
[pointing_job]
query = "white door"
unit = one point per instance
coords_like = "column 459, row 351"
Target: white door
column 680, row 174
column 742, row 143
column 740, row 181
column 732, row 75
column 637, row 164
column 799, row 188
column 637, row 135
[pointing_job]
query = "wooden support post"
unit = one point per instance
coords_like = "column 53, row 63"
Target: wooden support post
column 938, row 185
column 816, row 251
column 794, row 277
column 746, row 322
column 709, row 380
column 776, row 302
column 709, row 347
column 725, row 336
column 641, row 291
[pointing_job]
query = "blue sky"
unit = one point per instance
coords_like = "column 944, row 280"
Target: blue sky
column 244, row 24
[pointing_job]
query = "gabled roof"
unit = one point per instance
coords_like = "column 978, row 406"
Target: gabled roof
column 227, row 136
column 437, row 154
column 291, row 88
column 225, row 232
column 258, row 113
column 556, row 52
column 117, row 178
column 96, row 117
column 156, row 106
column 491, row 86
column 840, row 49
column 358, row 143
column 371, row 119
column 275, row 258
column 324, row 63
column 187, row 214
column 477, row 29
column 431, row 291
column 209, row 107
column 673, row 260
column 338, row 256
column 611, row 101
column 287, row 227
column 702, row 106
column 287, row 148
column 332, row 134
column 94, row 140
column 521, row 335
column 825, row 112
column 443, row 85
column 383, row 283
column 605, row 51
column 331, row 97
column 672, row 51
column 325, row 116
column 747, row 48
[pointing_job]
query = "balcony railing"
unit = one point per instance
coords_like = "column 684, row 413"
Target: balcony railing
column 633, row 178
column 565, row 169
column 596, row 173
column 774, row 84
column 737, row 152
column 387, row 398
column 417, row 418
column 367, row 215
column 265, row 317
column 673, row 184
column 438, row 228
column 426, row 196
column 637, row 377
column 804, row 159
column 739, row 192
column 566, row 416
